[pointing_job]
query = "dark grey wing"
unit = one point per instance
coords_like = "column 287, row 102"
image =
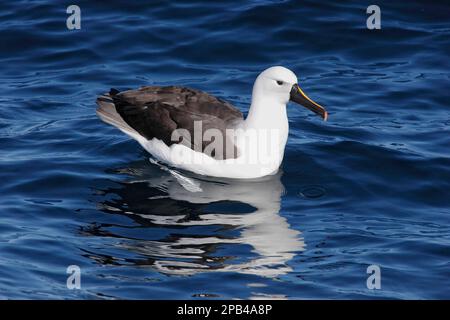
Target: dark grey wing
column 156, row 112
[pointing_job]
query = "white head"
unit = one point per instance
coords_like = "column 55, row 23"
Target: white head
column 279, row 85
column 275, row 83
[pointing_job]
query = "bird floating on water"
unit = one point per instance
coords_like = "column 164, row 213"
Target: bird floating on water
column 192, row 130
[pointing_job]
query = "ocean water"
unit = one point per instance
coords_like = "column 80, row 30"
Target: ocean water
column 369, row 187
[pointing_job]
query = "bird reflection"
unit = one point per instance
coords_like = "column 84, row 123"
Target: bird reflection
column 188, row 224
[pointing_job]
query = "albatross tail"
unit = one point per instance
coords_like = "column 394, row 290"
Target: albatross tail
column 107, row 112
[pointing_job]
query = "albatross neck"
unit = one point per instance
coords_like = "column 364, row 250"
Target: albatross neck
column 267, row 113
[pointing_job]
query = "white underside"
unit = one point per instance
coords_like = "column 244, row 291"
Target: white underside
column 250, row 164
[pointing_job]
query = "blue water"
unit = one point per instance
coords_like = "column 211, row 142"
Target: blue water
column 369, row 187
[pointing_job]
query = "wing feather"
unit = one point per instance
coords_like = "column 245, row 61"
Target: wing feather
column 155, row 112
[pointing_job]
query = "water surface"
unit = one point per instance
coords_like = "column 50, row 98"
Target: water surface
column 370, row 186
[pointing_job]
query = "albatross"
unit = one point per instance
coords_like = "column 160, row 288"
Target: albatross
column 192, row 130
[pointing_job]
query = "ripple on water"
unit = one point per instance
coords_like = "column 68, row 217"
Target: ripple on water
column 313, row 192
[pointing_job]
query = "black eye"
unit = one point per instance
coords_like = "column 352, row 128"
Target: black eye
column 279, row 82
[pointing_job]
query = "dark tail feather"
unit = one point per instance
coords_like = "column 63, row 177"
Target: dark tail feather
column 107, row 112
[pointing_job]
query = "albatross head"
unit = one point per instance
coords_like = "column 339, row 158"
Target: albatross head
column 281, row 84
